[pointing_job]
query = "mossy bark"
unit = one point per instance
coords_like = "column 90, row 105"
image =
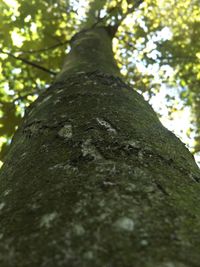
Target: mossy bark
column 93, row 179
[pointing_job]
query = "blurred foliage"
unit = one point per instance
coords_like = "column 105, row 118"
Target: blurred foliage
column 156, row 43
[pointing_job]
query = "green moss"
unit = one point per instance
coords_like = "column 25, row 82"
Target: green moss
column 93, row 179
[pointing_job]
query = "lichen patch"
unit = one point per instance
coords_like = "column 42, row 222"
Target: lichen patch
column 134, row 144
column 144, row 242
column 89, row 149
column 57, row 166
column 172, row 264
column 2, row 205
column 88, row 255
column 124, row 224
column 47, row 219
column 7, row 192
column 79, row 229
column 45, row 100
column 66, row 131
column 63, row 167
column 24, row 155
column 106, row 125
column 57, row 101
column 60, row 91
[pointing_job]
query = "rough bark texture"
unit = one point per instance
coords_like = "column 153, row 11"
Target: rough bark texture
column 94, row 180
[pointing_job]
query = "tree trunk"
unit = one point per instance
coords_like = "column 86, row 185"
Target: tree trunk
column 93, row 179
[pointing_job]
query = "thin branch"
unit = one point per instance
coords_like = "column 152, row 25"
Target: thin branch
column 130, row 10
column 43, row 49
column 29, row 63
column 113, row 29
column 191, row 59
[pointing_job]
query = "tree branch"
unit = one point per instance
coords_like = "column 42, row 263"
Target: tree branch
column 113, row 29
column 29, row 63
column 43, row 49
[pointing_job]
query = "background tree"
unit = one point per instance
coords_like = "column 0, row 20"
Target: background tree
column 105, row 183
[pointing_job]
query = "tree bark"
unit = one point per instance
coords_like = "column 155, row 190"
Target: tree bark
column 93, row 179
